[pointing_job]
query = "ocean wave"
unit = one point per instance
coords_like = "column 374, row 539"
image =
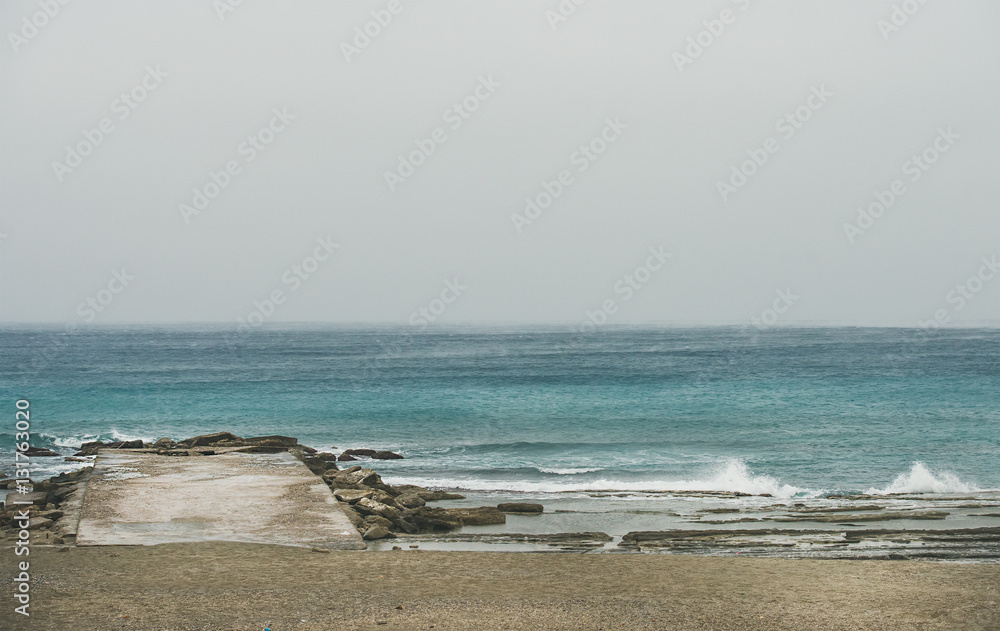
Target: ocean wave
column 920, row 479
column 70, row 442
column 75, row 442
column 568, row 470
column 731, row 476
column 116, row 435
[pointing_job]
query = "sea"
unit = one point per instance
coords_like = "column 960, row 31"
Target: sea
column 618, row 430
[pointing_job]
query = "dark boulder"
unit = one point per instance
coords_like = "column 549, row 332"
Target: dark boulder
column 210, row 439
column 318, row 465
column 346, row 458
column 89, row 449
column 521, row 508
column 482, row 516
column 386, row 455
column 432, row 519
column 272, row 441
column 40, row 452
column 130, row 444
column 410, row 500
column 368, row 453
column 377, row 531
column 436, row 496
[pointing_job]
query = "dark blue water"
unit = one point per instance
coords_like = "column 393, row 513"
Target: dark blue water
column 788, row 411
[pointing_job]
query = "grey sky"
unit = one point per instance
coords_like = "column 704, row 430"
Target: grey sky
column 551, row 90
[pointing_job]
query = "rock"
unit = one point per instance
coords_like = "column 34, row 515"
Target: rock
column 410, row 500
column 372, row 520
column 74, row 459
column 376, row 532
column 414, row 546
column 348, row 478
column 353, row 515
column 396, row 548
column 317, row 465
column 435, row 496
column 523, row 508
column 51, row 514
column 360, row 452
column 164, row 443
column 39, row 522
column 482, row 516
column 40, row 452
column 386, row 455
column 381, row 496
column 368, row 506
column 90, row 448
column 326, row 550
column 326, row 455
column 130, row 444
column 352, row 495
column 209, row 439
column 272, row 441
column 346, row 458
column 38, row 498
column 433, row 519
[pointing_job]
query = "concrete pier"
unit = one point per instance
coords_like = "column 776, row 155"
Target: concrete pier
column 141, row 498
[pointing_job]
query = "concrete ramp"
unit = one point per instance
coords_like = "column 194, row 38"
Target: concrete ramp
column 138, row 498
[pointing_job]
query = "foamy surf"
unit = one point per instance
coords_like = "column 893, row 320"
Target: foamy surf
column 732, row 476
column 920, row 479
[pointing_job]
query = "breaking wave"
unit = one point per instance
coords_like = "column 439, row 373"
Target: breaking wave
column 920, row 479
column 731, row 476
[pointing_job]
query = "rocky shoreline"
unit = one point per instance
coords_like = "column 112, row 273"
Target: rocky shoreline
column 385, row 514
column 376, row 509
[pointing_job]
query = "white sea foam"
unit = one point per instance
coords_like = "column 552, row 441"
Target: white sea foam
column 731, row 476
column 116, row 435
column 920, row 479
column 70, row 442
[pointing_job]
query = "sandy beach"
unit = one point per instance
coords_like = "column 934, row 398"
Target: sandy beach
column 251, row 587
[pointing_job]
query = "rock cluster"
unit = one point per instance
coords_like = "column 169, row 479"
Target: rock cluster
column 54, row 505
column 379, row 510
column 376, row 509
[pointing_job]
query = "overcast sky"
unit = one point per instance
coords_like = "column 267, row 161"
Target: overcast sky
column 179, row 88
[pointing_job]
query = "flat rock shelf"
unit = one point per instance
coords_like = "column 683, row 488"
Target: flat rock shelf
column 136, row 498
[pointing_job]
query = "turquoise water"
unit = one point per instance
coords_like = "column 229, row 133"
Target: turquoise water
column 791, row 412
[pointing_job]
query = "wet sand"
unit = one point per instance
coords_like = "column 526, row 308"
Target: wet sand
column 253, row 586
